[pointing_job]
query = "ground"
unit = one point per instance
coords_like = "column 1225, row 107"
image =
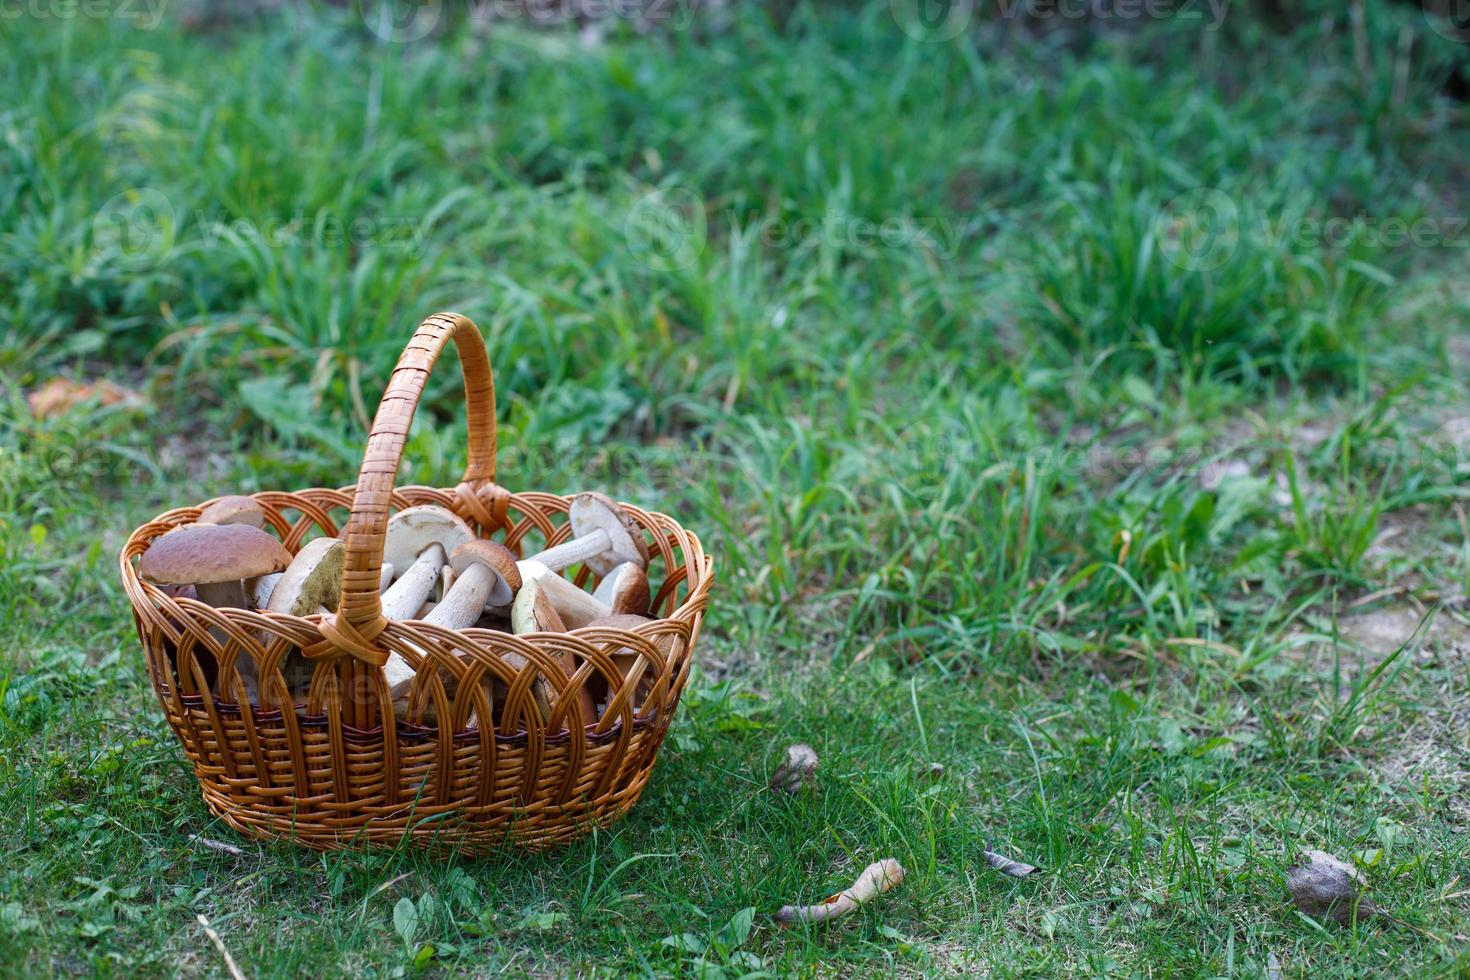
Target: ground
column 1075, row 410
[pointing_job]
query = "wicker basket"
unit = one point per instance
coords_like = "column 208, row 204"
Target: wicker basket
column 338, row 770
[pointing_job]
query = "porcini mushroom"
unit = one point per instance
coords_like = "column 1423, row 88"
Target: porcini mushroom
column 626, row 659
column 310, row 586
column 485, row 571
column 313, row 579
column 222, row 562
column 575, row 607
column 217, row 559
column 482, row 568
column 604, row 537
column 260, row 592
column 418, row 540
column 624, row 590
column 234, row 509
column 533, row 612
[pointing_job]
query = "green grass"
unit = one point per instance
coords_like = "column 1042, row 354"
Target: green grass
column 1059, row 401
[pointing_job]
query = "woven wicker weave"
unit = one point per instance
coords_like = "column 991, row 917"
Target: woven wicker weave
column 329, row 772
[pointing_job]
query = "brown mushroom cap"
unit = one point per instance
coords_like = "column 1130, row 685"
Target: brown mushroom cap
column 625, row 659
column 493, row 555
column 234, row 509
column 203, row 554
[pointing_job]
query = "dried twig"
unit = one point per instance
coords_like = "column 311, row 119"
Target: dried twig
column 217, row 845
column 219, row 944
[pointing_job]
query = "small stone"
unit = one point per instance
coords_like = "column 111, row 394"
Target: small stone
column 1326, row 887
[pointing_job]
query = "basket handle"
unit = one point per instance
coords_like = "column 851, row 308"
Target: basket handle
column 359, row 617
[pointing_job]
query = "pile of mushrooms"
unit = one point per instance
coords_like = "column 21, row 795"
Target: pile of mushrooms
column 436, row 570
column 488, row 587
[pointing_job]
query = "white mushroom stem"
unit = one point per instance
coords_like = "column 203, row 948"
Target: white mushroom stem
column 464, row 601
column 260, row 592
column 222, row 595
column 459, row 609
column 385, row 576
column 574, row 552
column 877, row 878
column 575, row 607
column 404, row 596
column 402, row 601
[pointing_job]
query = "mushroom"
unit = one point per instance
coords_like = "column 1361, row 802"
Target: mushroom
column 314, row 579
column 484, row 571
column 533, row 612
column 234, row 509
column 626, row 659
column 260, row 592
column 221, row 562
column 624, row 590
column 385, row 576
column 575, row 607
column 217, row 559
column 405, row 596
column 482, row 568
column 309, row 586
column 418, row 540
column 605, row 536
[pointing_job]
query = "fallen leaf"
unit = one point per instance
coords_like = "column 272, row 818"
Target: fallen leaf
column 797, row 772
column 1326, row 886
column 877, row 878
column 60, row 395
column 1016, row 869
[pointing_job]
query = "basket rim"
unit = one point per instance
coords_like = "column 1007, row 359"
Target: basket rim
column 167, row 520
